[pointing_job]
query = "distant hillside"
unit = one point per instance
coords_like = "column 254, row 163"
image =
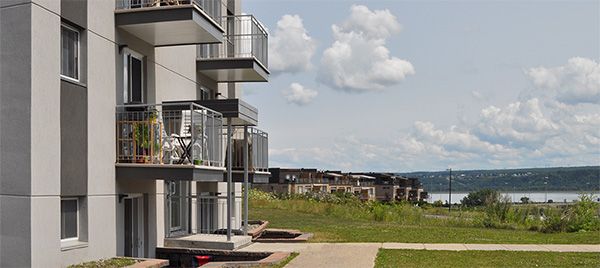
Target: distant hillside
column 526, row 179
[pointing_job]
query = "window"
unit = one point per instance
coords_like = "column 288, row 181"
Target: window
column 203, row 93
column 133, row 73
column 178, row 206
column 69, row 52
column 69, row 219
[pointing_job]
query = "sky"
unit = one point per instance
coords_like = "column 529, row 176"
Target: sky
column 430, row 85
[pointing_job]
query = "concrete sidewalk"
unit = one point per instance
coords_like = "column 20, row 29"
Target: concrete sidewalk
column 363, row 254
column 324, row 254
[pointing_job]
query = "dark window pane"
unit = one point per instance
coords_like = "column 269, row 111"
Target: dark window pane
column 68, row 219
column 69, row 52
column 136, row 80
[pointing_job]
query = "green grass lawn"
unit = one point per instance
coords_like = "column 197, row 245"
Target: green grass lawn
column 328, row 228
column 455, row 259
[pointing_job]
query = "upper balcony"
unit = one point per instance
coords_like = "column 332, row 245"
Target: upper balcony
column 171, row 22
column 362, row 180
column 258, row 155
column 241, row 57
column 180, row 141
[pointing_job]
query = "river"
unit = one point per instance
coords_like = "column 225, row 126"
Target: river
column 516, row 196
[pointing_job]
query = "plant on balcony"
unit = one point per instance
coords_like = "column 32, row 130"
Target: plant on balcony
column 144, row 137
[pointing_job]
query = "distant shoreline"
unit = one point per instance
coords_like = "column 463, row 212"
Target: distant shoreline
column 523, row 191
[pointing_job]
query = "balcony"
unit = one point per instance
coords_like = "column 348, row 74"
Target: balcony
column 177, row 141
column 241, row 57
column 258, row 155
column 171, row 22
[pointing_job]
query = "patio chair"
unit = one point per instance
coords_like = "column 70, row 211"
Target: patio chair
column 185, row 137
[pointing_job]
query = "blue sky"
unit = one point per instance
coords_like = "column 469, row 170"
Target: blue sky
column 407, row 85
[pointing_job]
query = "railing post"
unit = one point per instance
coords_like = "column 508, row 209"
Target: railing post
column 245, row 157
column 192, row 132
column 204, row 118
column 229, row 169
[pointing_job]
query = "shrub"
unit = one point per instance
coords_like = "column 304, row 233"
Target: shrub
column 255, row 194
column 438, row 203
column 583, row 215
column 497, row 212
column 579, row 217
column 480, row 198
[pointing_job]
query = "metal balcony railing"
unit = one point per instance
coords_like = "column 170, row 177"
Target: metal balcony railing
column 364, row 183
column 341, row 182
column 212, row 8
column 312, row 181
column 258, row 149
column 173, row 134
column 245, row 38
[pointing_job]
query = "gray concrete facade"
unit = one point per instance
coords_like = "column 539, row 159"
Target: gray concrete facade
column 57, row 135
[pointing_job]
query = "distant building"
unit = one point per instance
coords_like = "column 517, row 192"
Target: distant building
column 368, row 186
column 363, row 186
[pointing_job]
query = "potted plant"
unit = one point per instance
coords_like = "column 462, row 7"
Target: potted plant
column 145, row 137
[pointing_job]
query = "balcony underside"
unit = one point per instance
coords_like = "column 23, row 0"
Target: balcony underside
column 170, row 25
column 169, row 172
column 240, row 112
column 253, row 177
column 233, row 69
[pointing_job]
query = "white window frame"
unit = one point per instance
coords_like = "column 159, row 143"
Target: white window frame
column 76, row 238
column 78, row 52
column 126, row 83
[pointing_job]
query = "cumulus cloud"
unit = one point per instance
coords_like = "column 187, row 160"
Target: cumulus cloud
column 578, row 81
column 299, row 95
column 290, row 46
column 522, row 133
column 455, row 140
column 358, row 60
column 518, row 124
column 545, row 127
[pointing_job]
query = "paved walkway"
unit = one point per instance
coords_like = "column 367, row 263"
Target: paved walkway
column 363, row 254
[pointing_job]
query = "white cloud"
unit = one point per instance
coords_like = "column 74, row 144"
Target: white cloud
column 455, row 140
column 578, row 81
column 543, row 128
column 518, row 134
column 299, row 95
column 358, row 60
column 290, row 46
column 518, row 124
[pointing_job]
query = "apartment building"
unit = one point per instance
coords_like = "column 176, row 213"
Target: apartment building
column 121, row 123
column 386, row 186
column 363, row 186
column 338, row 182
column 367, row 186
column 292, row 181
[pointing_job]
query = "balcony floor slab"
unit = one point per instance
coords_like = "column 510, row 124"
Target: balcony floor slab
column 209, row 241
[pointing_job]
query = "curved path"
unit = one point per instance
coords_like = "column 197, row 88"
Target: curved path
column 363, row 254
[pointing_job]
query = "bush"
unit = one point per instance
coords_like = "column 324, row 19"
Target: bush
column 583, row 215
column 579, row 217
column 255, row 194
column 480, row 198
column 438, row 203
column 498, row 212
